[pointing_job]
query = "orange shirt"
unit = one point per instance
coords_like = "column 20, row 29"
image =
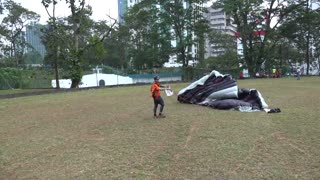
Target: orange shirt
column 155, row 90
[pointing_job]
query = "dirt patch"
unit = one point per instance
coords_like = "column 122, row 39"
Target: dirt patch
column 6, row 175
column 34, row 93
column 283, row 138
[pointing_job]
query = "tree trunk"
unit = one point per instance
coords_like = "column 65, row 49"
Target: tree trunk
column 183, row 58
column 308, row 39
column 57, row 53
column 56, row 68
column 56, row 48
column 76, row 61
column 307, row 54
column 201, row 47
column 247, row 53
column 14, row 53
column 75, row 83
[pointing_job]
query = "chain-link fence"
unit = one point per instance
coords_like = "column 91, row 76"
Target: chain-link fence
column 13, row 78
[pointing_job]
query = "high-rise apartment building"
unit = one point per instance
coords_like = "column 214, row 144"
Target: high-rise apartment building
column 220, row 21
column 123, row 6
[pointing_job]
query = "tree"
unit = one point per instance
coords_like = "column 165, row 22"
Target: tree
column 94, row 54
column 184, row 16
column 302, row 29
column 221, row 40
column 150, row 35
column 76, row 35
column 316, row 36
column 52, row 38
column 225, row 62
column 1, row 7
column 154, row 25
column 201, row 29
column 112, row 50
column 33, row 57
column 77, row 19
column 118, row 48
column 12, row 27
column 253, row 19
column 80, row 26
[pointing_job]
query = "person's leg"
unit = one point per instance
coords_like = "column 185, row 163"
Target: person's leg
column 155, row 101
column 161, row 102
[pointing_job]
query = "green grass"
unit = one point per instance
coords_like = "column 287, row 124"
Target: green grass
column 110, row 134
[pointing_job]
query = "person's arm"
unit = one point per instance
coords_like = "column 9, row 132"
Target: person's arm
column 162, row 88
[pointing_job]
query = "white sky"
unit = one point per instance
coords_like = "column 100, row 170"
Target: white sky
column 100, row 8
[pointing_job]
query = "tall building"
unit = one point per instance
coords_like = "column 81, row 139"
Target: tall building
column 220, row 21
column 123, row 6
column 33, row 35
column 122, row 9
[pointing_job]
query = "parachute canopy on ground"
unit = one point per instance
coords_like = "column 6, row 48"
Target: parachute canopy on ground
column 221, row 92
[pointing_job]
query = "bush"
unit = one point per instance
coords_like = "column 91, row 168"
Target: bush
column 25, row 78
column 14, row 78
column 190, row 73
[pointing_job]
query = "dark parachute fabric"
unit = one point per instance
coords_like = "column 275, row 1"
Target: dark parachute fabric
column 221, row 92
column 211, row 85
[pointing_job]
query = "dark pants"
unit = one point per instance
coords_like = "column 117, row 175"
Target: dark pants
column 157, row 101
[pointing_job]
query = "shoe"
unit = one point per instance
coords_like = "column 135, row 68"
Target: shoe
column 161, row 116
column 272, row 111
column 275, row 110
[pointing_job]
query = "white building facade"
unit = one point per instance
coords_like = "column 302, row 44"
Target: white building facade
column 220, row 21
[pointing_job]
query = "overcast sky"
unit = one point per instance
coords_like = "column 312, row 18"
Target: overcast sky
column 101, row 8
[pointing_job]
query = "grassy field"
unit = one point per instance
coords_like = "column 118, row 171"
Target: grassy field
column 110, row 134
column 16, row 91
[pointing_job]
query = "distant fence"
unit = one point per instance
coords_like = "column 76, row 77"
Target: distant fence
column 25, row 84
column 14, row 78
column 148, row 78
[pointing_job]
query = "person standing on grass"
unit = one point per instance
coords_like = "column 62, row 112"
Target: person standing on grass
column 157, row 99
column 298, row 73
